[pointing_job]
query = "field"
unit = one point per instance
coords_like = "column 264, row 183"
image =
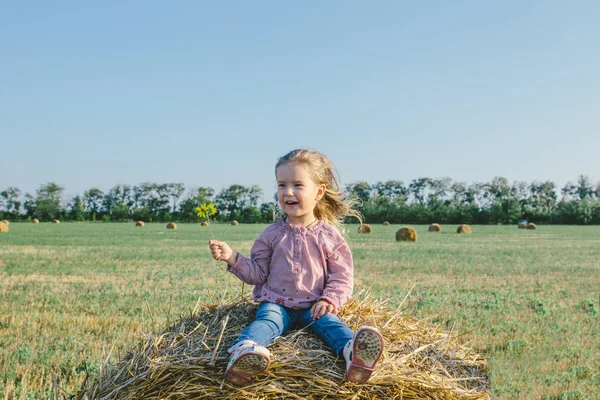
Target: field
column 528, row 300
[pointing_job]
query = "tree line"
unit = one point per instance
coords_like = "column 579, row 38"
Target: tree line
column 422, row 201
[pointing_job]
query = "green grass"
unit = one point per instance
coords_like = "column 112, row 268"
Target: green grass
column 529, row 300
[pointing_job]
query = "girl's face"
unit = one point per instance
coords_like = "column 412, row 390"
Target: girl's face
column 297, row 193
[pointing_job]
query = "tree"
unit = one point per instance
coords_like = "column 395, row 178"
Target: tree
column 48, row 198
column 30, row 205
column 232, row 201
column 418, row 188
column 361, row 190
column 77, row 209
column 569, row 190
column 117, row 202
column 175, row 191
column 187, row 207
column 93, row 199
column 10, row 198
column 584, row 188
column 439, row 190
column 500, row 189
column 391, row 189
column 254, row 195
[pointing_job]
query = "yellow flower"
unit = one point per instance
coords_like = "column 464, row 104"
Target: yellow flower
column 206, row 210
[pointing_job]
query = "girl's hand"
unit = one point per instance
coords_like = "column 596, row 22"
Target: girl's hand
column 321, row 308
column 222, row 251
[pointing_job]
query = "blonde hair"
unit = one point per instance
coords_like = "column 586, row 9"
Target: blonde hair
column 333, row 206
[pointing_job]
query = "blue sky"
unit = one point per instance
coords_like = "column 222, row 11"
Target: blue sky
column 211, row 94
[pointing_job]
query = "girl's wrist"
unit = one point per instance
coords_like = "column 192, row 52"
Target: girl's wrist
column 232, row 259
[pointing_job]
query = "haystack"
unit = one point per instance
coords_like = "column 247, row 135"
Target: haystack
column 531, row 225
column 204, row 223
column 234, row 223
column 523, row 225
column 57, row 221
column 140, row 223
column 464, row 228
column 35, row 221
column 6, row 221
column 406, row 234
column 3, row 227
column 434, row 228
column 187, row 361
column 386, row 223
column 365, row 228
column 171, row 225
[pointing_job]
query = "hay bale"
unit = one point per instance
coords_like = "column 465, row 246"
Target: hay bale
column 523, row 225
column 6, row 221
column 35, row 221
column 434, row 228
column 204, row 223
column 56, row 221
column 386, row 223
column 464, row 228
column 531, row 225
column 234, row 223
column 3, row 227
column 365, row 228
column 171, row 225
column 187, row 360
column 406, row 234
column 140, row 223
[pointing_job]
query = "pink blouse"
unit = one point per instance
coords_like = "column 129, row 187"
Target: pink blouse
column 296, row 266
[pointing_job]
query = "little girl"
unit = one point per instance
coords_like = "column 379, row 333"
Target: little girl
column 302, row 270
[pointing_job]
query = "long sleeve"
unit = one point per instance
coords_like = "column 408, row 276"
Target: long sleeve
column 340, row 277
column 254, row 270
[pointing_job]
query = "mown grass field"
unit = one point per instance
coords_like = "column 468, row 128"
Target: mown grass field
column 528, row 300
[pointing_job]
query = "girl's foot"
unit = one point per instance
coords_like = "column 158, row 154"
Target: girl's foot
column 362, row 353
column 247, row 359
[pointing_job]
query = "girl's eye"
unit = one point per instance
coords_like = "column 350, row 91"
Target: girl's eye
column 281, row 185
column 299, row 185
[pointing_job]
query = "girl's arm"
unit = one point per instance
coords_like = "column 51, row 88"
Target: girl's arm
column 340, row 277
column 253, row 270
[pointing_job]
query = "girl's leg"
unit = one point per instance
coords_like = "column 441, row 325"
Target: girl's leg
column 249, row 355
column 271, row 320
column 361, row 350
column 330, row 328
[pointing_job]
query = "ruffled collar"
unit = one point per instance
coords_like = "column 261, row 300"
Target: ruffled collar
column 284, row 226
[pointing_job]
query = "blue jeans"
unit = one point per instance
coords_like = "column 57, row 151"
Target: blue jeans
column 273, row 320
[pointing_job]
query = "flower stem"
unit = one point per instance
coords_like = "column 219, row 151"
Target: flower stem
column 213, row 238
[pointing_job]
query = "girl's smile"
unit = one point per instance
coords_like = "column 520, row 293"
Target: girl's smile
column 297, row 193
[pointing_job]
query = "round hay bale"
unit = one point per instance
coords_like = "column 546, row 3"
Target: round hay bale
column 386, row 223
column 188, row 359
column 464, row 228
column 204, row 223
column 140, row 223
column 3, row 227
column 234, row 223
column 531, row 225
column 365, row 228
column 523, row 225
column 171, row 225
column 56, row 221
column 406, row 234
column 35, row 221
column 6, row 221
column 434, row 228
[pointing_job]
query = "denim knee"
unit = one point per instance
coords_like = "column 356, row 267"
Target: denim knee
column 331, row 329
column 274, row 316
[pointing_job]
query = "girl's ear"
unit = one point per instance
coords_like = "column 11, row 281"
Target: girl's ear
column 320, row 192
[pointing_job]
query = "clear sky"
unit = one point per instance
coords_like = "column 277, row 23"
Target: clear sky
column 212, row 93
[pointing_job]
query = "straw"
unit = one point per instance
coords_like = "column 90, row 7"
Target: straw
column 187, row 361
